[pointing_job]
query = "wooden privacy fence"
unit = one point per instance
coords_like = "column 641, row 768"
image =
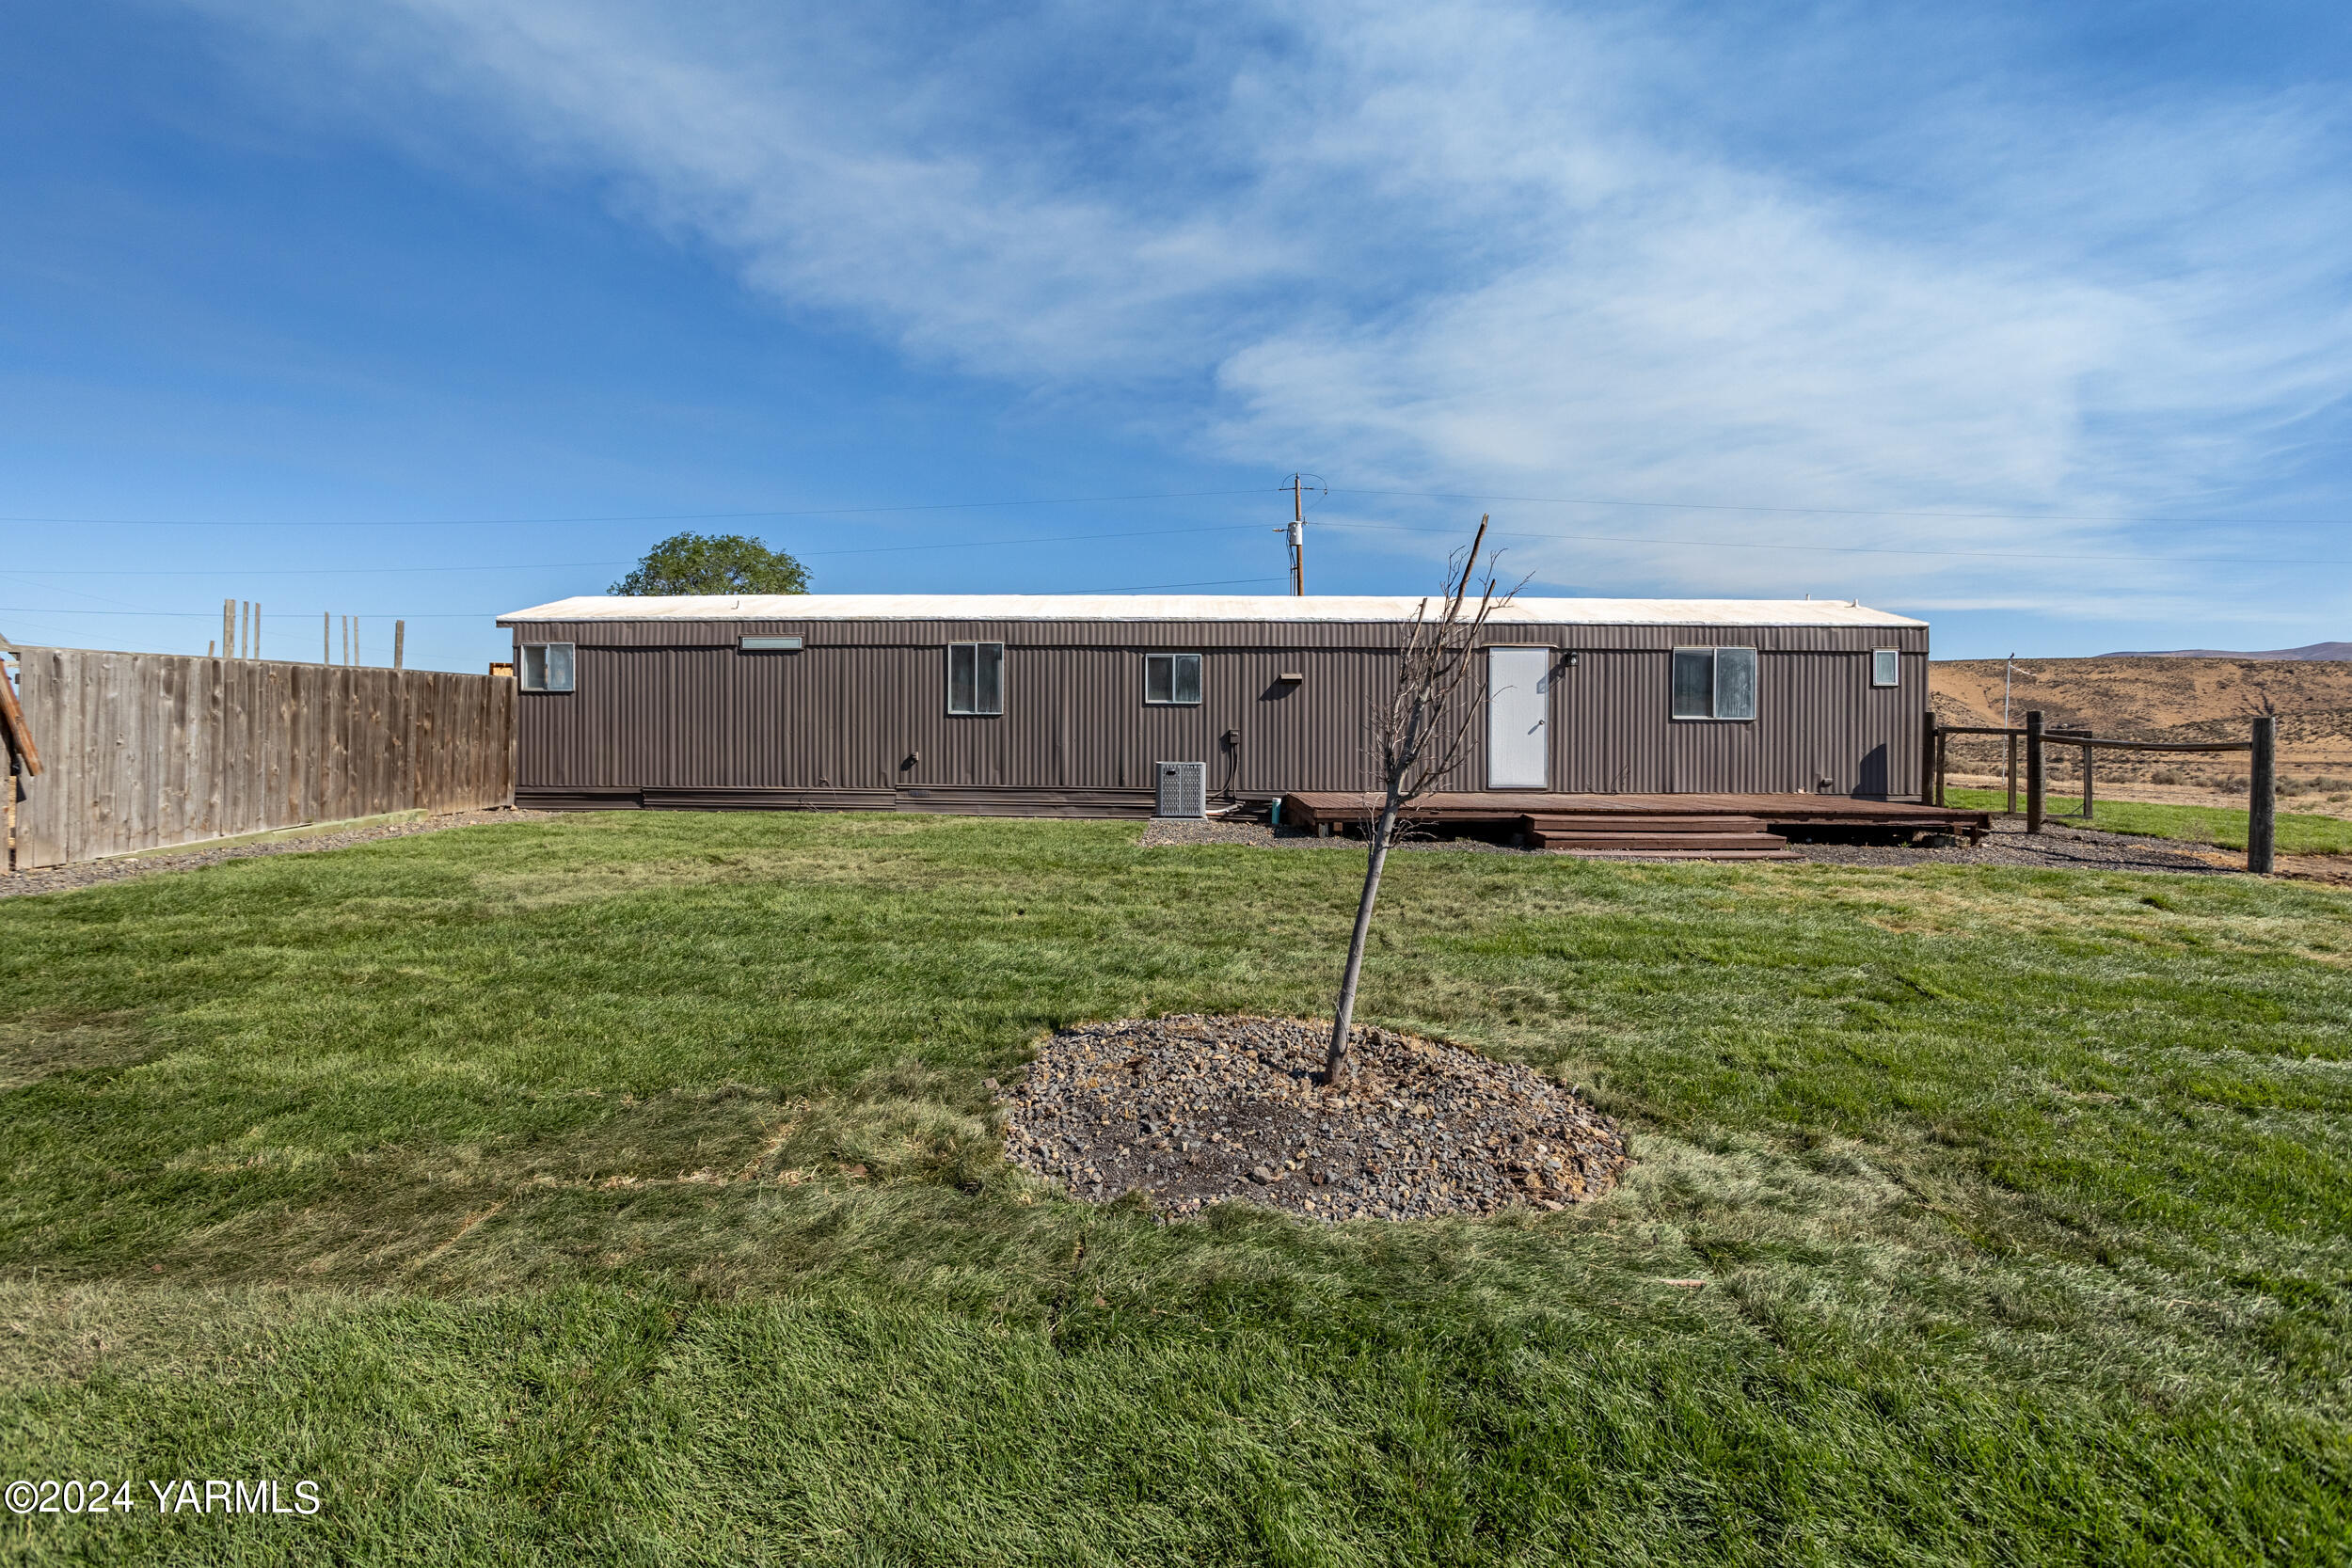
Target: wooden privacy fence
column 142, row 751
column 2262, row 749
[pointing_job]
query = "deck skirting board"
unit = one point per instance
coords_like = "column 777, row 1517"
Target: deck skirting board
column 1690, row 826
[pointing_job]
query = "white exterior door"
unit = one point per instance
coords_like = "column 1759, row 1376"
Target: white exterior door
column 1519, row 719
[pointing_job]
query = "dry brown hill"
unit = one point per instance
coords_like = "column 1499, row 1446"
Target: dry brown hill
column 2163, row 698
column 2308, row 650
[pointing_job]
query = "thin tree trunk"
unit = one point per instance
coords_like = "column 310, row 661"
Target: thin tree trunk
column 1335, row 1065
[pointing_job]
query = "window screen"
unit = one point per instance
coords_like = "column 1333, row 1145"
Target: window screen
column 1172, row 679
column 1887, row 666
column 976, row 677
column 547, row 667
column 1694, row 682
column 1735, row 683
column 1714, row 683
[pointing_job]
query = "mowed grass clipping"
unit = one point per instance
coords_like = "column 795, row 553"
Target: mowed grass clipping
column 625, row 1189
column 2224, row 826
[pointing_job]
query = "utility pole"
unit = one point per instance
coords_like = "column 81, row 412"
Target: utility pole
column 1299, row 535
column 2006, row 665
column 1297, row 532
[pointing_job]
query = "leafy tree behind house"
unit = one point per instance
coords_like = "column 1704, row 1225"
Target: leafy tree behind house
column 714, row 564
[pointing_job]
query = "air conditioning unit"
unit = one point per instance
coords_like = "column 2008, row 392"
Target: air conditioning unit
column 1183, row 789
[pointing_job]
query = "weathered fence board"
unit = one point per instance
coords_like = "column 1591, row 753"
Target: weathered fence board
column 150, row 749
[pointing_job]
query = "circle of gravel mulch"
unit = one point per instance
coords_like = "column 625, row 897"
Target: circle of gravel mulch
column 1191, row 1111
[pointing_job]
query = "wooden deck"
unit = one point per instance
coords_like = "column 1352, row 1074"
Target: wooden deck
column 1678, row 826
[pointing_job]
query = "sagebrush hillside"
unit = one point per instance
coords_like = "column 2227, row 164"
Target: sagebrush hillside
column 2159, row 699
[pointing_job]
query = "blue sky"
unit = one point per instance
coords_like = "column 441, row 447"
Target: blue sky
column 2035, row 320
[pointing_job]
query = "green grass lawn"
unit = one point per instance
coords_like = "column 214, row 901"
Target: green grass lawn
column 504, row 1180
column 2298, row 833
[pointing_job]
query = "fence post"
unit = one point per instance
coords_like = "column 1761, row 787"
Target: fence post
column 2261, row 802
column 2012, row 773
column 2037, row 781
column 2087, row 754
column 1927, row 759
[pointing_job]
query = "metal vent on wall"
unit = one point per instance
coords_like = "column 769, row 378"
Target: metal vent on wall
column 1183, row 789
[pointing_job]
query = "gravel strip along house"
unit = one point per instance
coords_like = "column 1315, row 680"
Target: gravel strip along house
column 1093, row 705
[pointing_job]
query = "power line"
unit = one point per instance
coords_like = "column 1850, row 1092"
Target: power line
column 1048, row 539
column 1847, row 510
column 584, row 565
column 1186, row 494
column 634, row 517
column 276, row 615
column 307, row 571
column 1155, row 587
column 1867, row 549
column 493, row 615
column 1057, row 539
column 1232, row 528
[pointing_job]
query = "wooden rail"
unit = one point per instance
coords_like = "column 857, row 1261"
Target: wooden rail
column 2073, row 738
column 2261, row 816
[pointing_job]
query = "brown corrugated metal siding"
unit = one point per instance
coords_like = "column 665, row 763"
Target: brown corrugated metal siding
column 671, row 712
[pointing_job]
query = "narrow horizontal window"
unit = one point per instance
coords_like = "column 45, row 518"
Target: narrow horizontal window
column 1713, row 683
column 976, row 679
column 547, row 667
column 1172, row 679
column 768, row 644
column 1887, row 666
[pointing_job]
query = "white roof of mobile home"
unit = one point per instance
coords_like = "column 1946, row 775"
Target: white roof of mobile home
column 1196, row 607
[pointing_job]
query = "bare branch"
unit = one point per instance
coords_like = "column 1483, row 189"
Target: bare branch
column 1421, row 737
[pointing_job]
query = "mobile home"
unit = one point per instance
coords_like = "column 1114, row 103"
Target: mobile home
column 1069, row 705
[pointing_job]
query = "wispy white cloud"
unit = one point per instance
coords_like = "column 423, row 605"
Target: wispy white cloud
column 1479, row 246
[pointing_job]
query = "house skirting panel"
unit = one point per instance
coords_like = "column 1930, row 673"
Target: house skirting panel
column 967, row 800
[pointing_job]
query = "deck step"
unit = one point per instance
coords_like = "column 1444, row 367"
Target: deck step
column 1678, row 854
column 1638, row 822
column 1892, row 824
column 1676, row 841
column 1662, row 813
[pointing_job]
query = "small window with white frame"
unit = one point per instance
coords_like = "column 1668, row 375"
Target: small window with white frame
column 1713, row 683
column 546, row 666
column 1886, row 667
column 976, row 679
column 1171, row 680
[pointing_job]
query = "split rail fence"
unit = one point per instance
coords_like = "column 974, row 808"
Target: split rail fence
column 2262, row 749
column 114, row 753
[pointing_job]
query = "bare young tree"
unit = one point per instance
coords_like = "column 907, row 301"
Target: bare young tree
column 1420, row 737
